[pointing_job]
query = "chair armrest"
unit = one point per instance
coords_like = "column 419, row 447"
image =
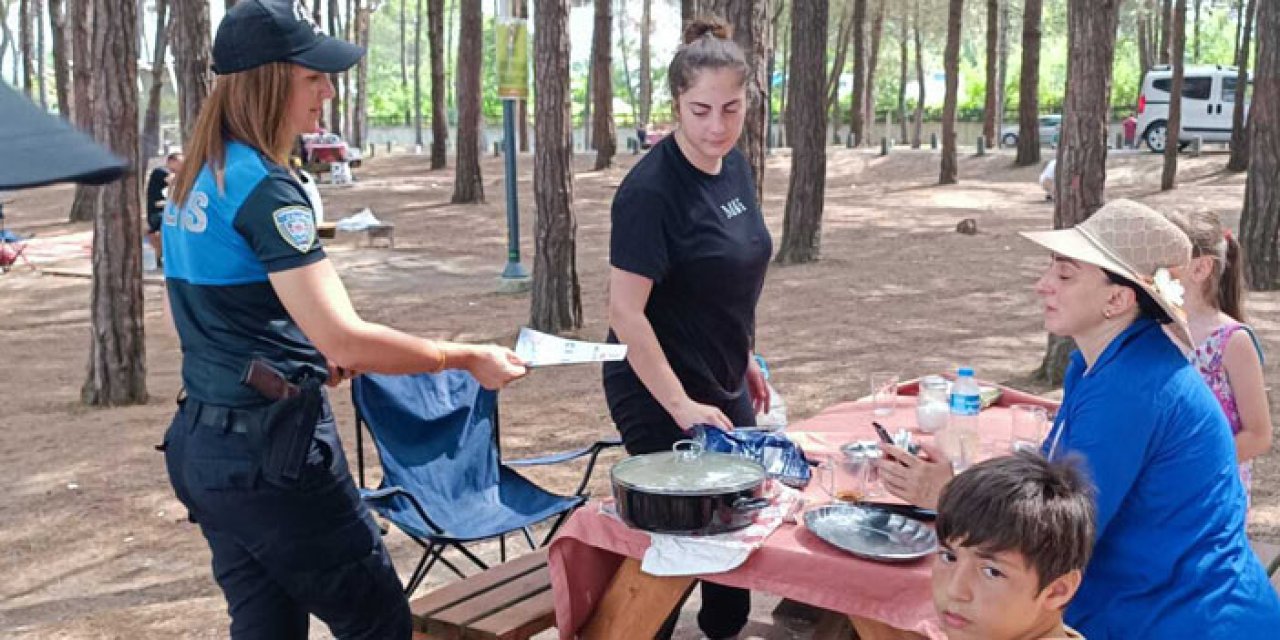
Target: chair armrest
column 563, row 456
column 593, row 451
column 381, row 496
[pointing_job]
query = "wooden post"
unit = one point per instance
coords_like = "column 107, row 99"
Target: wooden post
column 884, row 146
column 635, row 605
column 933, row 141
column 982, row 146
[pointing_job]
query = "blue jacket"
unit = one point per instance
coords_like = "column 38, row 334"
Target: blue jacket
column 1171, row 559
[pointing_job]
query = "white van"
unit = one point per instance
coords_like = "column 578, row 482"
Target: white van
column 1208, row 101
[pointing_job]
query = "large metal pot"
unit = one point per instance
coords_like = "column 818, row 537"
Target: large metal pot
column 688, row 491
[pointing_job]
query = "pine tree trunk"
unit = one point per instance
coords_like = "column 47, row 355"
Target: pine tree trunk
column 151, row 121
column 873, row 59
column 625, row 49
column 468, row 185
column 1195, row 47
column 646, row 78
column 26, row 46
column 439, row 117
column 1002, row 67
column 6, row 36
column 1239, row 160
column 857, row 126
column 404, row 55
column 80, row 18
column 1029, row 87
column 556, row 300
column 1082, row 153
column 807, row 131
column 117, row 370
column 837, row 67
column 1144, row 51
column 1170, row 173
column 603, row 132
column 947, row 173
column 1260, row 219
column 335, row 103
column 348, row 93
column 417, row 74
column 903, row 54
column 191, row 53
column 360, row 110
column 61, row 50
column 993, row 87
column 918, row 121
column 1166, row 30
column 37, row 19
column 522, row 106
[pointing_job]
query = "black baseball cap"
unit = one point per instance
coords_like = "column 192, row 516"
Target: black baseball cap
column 256, row 32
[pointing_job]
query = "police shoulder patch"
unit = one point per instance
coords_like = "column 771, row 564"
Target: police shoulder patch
column 297, row 225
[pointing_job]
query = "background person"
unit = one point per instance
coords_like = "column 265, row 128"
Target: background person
column 1227, row 353
column 264, row 321
column 157, row 187
column 689, row 250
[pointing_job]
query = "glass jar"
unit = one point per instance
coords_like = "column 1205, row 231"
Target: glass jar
column 933, row 405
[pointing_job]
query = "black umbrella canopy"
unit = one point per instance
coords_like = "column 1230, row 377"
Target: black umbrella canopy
column 38, row 149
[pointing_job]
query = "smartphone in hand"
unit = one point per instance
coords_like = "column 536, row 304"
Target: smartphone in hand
column 887, row 439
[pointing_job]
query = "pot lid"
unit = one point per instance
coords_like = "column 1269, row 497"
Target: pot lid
column 688, row 470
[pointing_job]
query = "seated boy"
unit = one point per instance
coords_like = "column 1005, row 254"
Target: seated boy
column 1015, row 535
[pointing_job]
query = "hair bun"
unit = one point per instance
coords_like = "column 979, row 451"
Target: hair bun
column 698, row 27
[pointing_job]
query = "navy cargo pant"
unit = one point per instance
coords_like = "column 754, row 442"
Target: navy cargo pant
column 283, row 549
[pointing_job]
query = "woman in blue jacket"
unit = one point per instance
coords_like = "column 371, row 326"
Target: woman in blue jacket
column 1171, row 559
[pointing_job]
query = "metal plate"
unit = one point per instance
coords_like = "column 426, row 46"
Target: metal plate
column 872, row 533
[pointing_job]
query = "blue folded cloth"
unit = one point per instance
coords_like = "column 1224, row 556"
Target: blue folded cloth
column 781, row 458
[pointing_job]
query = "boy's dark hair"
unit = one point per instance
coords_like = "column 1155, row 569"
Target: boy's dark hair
column 1043, row 510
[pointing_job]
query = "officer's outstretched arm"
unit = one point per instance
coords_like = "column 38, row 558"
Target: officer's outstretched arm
column 316, row 299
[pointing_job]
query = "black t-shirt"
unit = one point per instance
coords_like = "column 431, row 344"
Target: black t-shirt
column 702, row 240
column 155, row 194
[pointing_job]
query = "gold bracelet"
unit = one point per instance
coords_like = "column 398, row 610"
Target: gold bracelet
column 444, row 360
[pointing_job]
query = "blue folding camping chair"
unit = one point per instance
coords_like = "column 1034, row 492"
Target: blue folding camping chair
column 444, row 483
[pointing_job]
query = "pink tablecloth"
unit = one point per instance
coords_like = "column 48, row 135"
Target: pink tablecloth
column 793, row 563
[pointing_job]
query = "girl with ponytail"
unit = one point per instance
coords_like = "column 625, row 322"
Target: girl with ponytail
column 1227, row 354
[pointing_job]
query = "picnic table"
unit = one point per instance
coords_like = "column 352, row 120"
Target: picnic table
column 600, row 591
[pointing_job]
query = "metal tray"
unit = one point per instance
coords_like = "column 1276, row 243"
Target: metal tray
column 872, row 533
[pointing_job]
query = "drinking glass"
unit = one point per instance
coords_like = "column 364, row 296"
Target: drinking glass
column 884, row 392
column 1030, row 426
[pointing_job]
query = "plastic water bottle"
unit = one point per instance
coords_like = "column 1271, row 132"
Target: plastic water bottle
column 776, row 418
column 148, row 257
column 962, row 436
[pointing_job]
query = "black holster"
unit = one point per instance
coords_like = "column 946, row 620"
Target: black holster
column 289, row 424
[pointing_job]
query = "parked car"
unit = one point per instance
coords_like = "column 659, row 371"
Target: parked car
column 1048, row 130
column 1208, row 102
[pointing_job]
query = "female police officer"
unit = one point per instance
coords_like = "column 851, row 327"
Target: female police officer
column 264, row 320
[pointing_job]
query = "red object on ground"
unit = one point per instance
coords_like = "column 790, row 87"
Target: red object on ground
column 1130, row 129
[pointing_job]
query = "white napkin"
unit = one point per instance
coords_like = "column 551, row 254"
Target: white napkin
column 670, row 555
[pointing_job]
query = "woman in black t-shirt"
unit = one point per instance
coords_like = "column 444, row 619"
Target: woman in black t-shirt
column 689, row 251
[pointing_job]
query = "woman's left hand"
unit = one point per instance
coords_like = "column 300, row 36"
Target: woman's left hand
column 757, row 387
column 918, row 480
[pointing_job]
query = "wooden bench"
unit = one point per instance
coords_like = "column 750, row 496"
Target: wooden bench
column 511, row 601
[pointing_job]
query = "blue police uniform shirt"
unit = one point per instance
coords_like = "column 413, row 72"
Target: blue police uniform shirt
column 1171, row 559
column 218, row 249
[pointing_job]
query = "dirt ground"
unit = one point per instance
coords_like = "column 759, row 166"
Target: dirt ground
column 96, row 546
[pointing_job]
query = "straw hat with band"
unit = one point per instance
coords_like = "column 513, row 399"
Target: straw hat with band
column 1135, row 242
